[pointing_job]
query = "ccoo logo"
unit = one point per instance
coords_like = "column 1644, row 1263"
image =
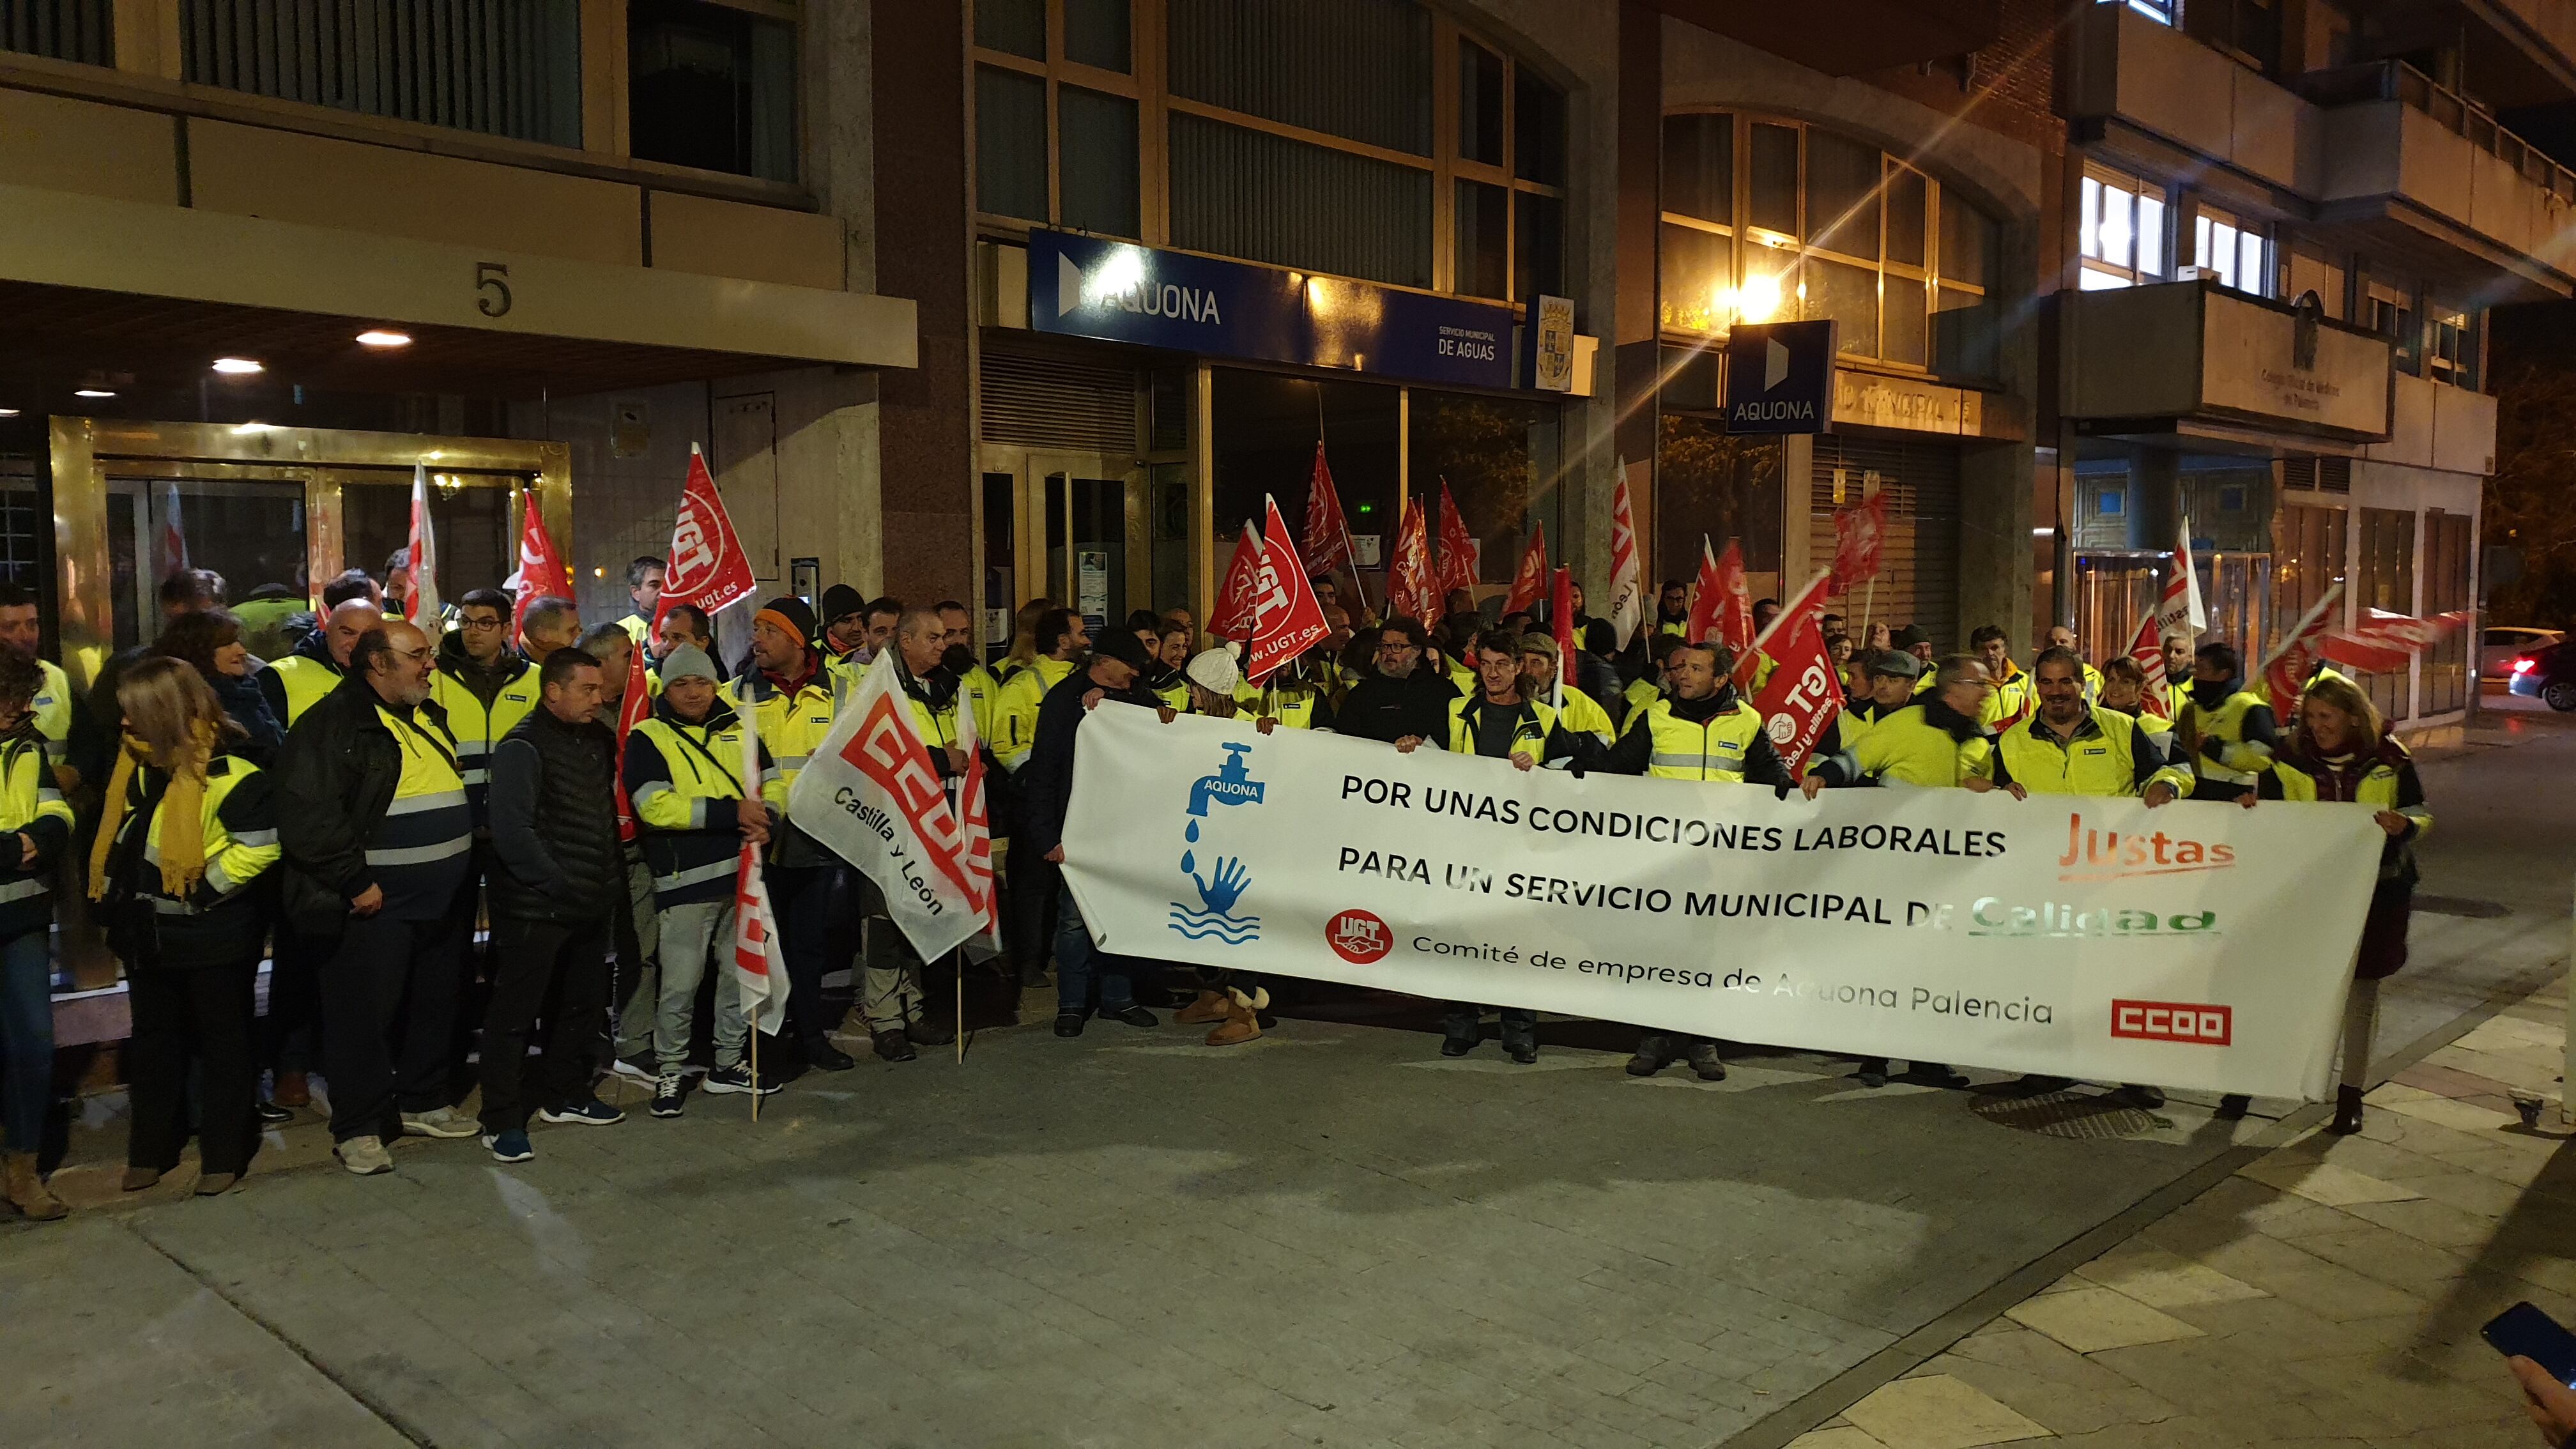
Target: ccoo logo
column 2190, row 1022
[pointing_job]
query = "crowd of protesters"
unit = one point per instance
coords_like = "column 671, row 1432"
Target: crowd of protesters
column 420, row 835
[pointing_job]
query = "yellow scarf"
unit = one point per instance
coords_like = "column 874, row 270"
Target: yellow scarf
column 183, row 828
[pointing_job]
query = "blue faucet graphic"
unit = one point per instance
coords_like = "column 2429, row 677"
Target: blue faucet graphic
column 1230, row 785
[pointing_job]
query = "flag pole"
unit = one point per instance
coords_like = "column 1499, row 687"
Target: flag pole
column 2282, row 646
column 1868, row 600
column 960, row 954
column 755, row 1060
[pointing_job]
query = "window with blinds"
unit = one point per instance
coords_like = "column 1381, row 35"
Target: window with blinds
column 500, row 67
column 1057, row 402
column 1918, row 579
column 1245, row 193
column 75, row 30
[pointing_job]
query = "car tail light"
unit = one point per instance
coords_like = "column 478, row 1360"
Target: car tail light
column 2524, row 664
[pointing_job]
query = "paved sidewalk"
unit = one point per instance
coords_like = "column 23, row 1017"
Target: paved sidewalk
column 2328, row 1294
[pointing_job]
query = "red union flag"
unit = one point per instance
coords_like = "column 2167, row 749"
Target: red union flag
column 2383, row 643
column 632, row 706
column 974, row 817
column 1560, row 614
column 1236, row 597
column 759, row 968
column 708, row 567
column 1627, row 589
column 1410, row 588
column 1723, row 601
column 1529, row 584
column 1287, row 618
column 1457, row 548
column 420, row 604
column 1328, row 534
column 872, row 794
column 1800, row 699
column 2180, row 610
column 2286, row 672
column 2147, row 651
column 542, row 572
column 1858, row 532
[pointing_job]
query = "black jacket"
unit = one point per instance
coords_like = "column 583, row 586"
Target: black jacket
column 336, row 775
column 554, row 822
column 1386, row 710
column 1048, row 775
column 485, row 681
column 263, row 729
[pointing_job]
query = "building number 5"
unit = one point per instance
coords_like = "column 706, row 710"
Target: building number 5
column 492, row 280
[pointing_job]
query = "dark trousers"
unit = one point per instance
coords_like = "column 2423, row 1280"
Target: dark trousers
column 1465, row 1020
column 388, row 1006
column 1029, row 910
column 548, row 969
column 26, row 1039
column 290, row 1035
column 818, row 931
column 474, row 968
column 200, row 1016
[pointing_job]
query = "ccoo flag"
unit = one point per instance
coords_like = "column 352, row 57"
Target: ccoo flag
column 759, row 966
column 871, row 793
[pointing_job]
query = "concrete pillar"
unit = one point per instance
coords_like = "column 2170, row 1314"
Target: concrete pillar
column 1636, row 324
column 1995, row 482
column 2155, row 498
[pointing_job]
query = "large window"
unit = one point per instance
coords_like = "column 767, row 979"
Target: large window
column 510, row 70
column 75, row 30
column 2450, row 344
column 2120, row 230
column 1769, row 220
column 1365, row 138
column 712, row 86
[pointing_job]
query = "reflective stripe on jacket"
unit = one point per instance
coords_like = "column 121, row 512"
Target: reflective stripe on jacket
column 2110, row 754
column 1711, row 751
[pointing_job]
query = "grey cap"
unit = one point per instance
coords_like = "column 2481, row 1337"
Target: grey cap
column 1895, row 663
column 687, row 662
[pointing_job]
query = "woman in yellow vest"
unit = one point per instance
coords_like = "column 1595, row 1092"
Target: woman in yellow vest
column 36, row 824
column 2342, row 752
column 187, row 834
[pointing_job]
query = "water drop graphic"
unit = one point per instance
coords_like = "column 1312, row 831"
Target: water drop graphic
column 1189, row 861
column 1194, row 830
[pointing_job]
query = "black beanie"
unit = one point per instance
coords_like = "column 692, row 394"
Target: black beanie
column 1123, row 646
column 841, row 599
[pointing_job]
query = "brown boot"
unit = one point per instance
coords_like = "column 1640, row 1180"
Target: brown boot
column 1241, row 1024
column 26, row 1191
column 292, row 1090
column 1211, row 1006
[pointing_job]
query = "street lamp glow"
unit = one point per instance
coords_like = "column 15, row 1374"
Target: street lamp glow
column 380, row 337
column 1758, row 300
column 237, row 366
column 92, row 392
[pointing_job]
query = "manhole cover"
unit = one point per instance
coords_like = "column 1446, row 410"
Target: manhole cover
column 2461, row 906
column 2067, row 1114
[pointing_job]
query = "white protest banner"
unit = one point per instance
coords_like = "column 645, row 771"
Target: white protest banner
column 2196, row 945
column 870, row 793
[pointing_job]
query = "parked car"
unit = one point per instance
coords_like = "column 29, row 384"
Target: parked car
column 2500, row 645
column 2548, row 674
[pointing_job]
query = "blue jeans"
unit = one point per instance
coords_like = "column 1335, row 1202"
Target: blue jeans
column 1078, row 961
column 26, row 1038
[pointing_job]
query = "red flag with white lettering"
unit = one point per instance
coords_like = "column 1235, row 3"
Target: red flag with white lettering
column 542, row 572
column 1328, row 534
column 420, row 603
column 1858, row 533
column 2147, row 651
column 1722, row 603
column 708, row 567
column 2382, row 643
column 1457, row 548
column 1560, row 613
column 1236, row 596
column 1799, row 701
column 2287, row 671
column 632, row 706
column 1287, row 618
column 1529, row 583
column 975, row 818
column 1627, row 587
column 759, row 967
column 1411, row 589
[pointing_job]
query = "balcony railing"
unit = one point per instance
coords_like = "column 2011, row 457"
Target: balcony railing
column 2395, row 80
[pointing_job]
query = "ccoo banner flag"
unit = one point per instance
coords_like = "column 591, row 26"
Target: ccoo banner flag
column 2195, row 945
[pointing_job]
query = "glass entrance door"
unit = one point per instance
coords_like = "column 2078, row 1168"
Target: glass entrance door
column 1062, row 527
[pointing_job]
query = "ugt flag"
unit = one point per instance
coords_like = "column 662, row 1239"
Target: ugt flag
column 1529, row 583
column 708, row 567
column 1800, row 699
column 1238, row 595
column 1287, row 620
column 1627, row 591
column 542, row 572
column 873, row 796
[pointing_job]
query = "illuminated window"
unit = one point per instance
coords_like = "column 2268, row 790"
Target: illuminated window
column 2238, row 254
column 2120, row 230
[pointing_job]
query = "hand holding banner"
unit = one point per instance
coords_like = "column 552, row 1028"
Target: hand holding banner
column 708, row 567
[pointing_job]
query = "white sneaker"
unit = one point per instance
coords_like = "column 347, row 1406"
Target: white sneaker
column 364, row 1156
column 444, row 1122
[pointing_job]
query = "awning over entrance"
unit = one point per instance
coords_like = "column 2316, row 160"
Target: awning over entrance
column 97, row 282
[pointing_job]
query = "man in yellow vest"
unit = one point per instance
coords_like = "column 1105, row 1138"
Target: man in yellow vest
column 789, row 695
column 1577, row 710
column 378, row 835
column 2011, row 701
column 485, row 686
column 1701, row 729
column 975, row 683
column 891, row 999
column 2062, row 636
column 2227, row 731
column 35, row 832
column 1933, row 743
column 1891, row 677
column 644, row 589
column 313, row 668
column 53, row 704
column 1061, row 639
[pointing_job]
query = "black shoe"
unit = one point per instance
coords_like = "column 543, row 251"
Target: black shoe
column 2347, row 1117
column 1938, row 1074
column 924, row 1033
column 1133, row 1016
column 275, row 1115
column 1873, row 1072
column 2144, row 1098
column 1653, row 1050
column 1642, row 1065
column 1068, row 1023
column 1457, row 1046
column 2233, row 1107
column 1705, row 1061
column 2032, row 1084
column 822, row 1056
column 668, row 1095
column 894, row 1046
column 1523, row 1052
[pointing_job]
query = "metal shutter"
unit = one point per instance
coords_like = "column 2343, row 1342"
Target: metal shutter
column 1058, row 402
column 1918, row 580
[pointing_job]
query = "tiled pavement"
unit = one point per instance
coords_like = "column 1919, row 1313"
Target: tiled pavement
column 2328, row 1294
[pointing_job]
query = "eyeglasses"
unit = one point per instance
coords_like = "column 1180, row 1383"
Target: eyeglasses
column 414, row 655
column 485, row 625
column 1397, row 646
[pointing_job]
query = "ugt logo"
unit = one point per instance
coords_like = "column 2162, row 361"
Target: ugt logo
column 1222, row 889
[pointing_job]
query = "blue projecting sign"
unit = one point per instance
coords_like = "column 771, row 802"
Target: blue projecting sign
column 1779, row 377
column 1121, row 292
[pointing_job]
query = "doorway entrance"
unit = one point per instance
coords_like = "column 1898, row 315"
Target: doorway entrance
column 274, row 510
column 1064, row 526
